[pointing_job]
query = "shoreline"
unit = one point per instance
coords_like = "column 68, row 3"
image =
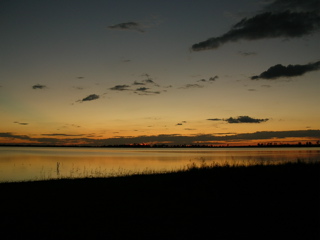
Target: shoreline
column 170, row 146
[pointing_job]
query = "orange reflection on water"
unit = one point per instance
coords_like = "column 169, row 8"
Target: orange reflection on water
column 22, row 163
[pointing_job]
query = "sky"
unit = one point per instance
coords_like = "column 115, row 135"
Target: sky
column 100, row 72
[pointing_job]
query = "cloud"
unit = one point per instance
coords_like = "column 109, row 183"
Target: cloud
column 39, row 86
column 13, row 136
column 145, row 92
column 62, row 135
column 296, row 5
column 142, row 89
column 202, row 80
column 148, row 90
column 90, row 98
column 187, row 86
column 240, row 119
column 138, row 83
column 289, row 71
column 149, row 81
column 128, row 26
column 20, row 123
column 170, row 138
column 246, row 54
column 211, row 79
column 282, row 18
column 245, row 119
column 215, row 119
column 120, row 88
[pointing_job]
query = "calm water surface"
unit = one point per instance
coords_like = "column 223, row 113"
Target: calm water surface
column 33, row 163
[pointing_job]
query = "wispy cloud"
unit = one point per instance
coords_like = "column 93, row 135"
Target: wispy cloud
column 194, row 85
column 138, row 83
column 62, row 135
column 21, row 123
column 120, row 88
column 39, row 86
column 282, row 18
column 210, row 80
column 148, row 87
column 215, row 119
column 128, row 26
column 240, row 119
column 246, row 54
column 288, row 71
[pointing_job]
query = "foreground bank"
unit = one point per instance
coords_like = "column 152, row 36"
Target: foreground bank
column 257, row 202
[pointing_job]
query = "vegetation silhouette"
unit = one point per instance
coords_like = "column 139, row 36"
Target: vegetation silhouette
column 199, row 202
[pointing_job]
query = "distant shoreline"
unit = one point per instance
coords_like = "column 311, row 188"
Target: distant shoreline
column 166, row 146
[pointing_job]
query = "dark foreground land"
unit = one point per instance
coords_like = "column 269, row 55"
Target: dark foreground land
column 258, row 202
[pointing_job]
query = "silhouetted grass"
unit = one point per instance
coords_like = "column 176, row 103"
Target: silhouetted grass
column 198, row 202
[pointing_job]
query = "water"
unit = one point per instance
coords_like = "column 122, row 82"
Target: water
column 36, row 163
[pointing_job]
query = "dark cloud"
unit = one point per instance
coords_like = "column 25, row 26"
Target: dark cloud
column 62, row 135
column 289, row 71
column 215, row 119
column 282, row 18
column 202, row 80
column 138, row 83
column 295, row 6
column 149, row 81
column 13, row 136
column 39, row 86
column 120, row 88
column 128, row 26
column 142, row 89
column 20, row 123
column 245, row 119
column 213, row 78
column 90, row 98
column 187, row 86
column 240, row 119
column 171, row 138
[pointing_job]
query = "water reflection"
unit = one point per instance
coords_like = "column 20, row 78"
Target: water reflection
column 22, row 163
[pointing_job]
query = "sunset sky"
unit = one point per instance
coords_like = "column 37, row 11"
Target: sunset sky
column 177, row 72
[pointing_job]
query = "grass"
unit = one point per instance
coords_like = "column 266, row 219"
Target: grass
column 198, row 202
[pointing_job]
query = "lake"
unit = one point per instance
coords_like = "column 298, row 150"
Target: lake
column 37, row 163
